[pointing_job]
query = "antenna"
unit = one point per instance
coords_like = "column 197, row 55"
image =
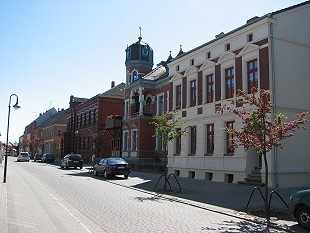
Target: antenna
column 50, row 104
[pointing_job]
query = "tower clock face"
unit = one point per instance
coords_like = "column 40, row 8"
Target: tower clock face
column 145, row 51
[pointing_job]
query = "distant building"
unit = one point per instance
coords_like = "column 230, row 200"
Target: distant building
column 52, row 134
column 32, row 131
column 86, row 122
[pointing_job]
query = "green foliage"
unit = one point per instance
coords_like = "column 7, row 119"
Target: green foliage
column 169, row 126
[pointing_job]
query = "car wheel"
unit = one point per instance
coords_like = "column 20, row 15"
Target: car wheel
column 303, row 217
column 81, row 167
column 61, row 167
column 67, row 166
column 126, row 176
column 95, row 173
column 105, row 174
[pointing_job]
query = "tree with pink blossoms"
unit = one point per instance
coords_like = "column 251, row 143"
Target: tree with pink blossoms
column 260, row 131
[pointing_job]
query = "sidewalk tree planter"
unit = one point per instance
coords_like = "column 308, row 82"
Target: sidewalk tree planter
column 260, row 131
column 169, row 127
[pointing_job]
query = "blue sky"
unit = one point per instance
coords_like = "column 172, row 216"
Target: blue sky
column 51, row 49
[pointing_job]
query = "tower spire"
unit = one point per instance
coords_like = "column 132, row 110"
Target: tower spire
column 140, row 28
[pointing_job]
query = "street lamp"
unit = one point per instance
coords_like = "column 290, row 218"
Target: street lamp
column 16, row 107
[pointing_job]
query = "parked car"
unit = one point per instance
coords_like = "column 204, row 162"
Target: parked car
column 30, row 155
column 37, row 157
column 111, row 167
column 48, row 158
column 72, row 160
column 23, row 156
column 299, row 207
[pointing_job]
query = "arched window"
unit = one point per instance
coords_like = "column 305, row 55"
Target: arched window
column 148, row 103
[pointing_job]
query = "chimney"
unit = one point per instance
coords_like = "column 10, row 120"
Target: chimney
column 112, row 84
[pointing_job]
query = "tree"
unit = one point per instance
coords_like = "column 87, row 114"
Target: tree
column 169, row 127
column 259, row 130
column 95, row 140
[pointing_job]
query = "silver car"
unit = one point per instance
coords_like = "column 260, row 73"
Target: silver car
column 23, row 156
column 299, row 207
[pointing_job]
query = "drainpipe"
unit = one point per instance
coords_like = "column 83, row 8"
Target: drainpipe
column 273, row 89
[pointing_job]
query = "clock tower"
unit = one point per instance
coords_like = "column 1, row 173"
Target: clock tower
column 139, row 60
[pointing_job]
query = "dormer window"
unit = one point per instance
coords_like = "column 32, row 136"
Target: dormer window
column 177, row 68
column 250, row 37
column 208, row 55
column 192, row 62
column 227, row 47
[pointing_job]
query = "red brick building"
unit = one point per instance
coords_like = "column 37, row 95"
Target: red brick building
column 86, row 133
column 146, row 96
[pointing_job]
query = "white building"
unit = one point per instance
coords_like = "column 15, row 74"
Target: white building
column 274, row 52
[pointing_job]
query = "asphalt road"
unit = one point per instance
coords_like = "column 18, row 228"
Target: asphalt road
column 44, row 198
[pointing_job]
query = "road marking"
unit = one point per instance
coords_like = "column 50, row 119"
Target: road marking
column 65, row 208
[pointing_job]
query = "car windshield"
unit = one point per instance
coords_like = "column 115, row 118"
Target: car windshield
column 24, row 154
column 116, row 161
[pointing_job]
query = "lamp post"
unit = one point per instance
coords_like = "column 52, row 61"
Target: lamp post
column 15, row 106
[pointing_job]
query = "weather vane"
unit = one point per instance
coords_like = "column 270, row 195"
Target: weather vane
column 140, row 28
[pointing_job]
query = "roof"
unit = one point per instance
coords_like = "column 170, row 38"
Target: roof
column 250, row 21
column 45, row 116
column 116, row 92
column 59, row 118
column 156, row 73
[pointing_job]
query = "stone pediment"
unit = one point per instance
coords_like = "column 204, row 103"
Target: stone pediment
column 226, row 56
column 207, row 64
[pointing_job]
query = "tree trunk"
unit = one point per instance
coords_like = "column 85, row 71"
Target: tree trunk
column 266, row 187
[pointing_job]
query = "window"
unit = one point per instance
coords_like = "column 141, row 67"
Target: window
column 94, row 116
column 227, row 47
column 137, row 104
column 193, row 93
column 208, row 55
column 252, row 75
column 177, row 68
column 229, row 82
column 125, row 147
column 210, row 139
column 126, row 109
column 178, row 96
column 84, row 143
column 134, row 140
column 210, row 88
column 250, row 37
column 192, row 62
column 81, row 120
column 178, row 143
column 160, row 103
column 193, row 138
column 85, row 115
column 89, row 117
column 229, row 138
column 148, row 106
column 159, row 141
column 134, row 75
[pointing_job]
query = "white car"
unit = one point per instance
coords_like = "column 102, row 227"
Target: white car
column 23, row 156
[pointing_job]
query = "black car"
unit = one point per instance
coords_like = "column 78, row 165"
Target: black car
column 48, row 158
column 37, row 157
column 112, row 166
column 72, row 160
